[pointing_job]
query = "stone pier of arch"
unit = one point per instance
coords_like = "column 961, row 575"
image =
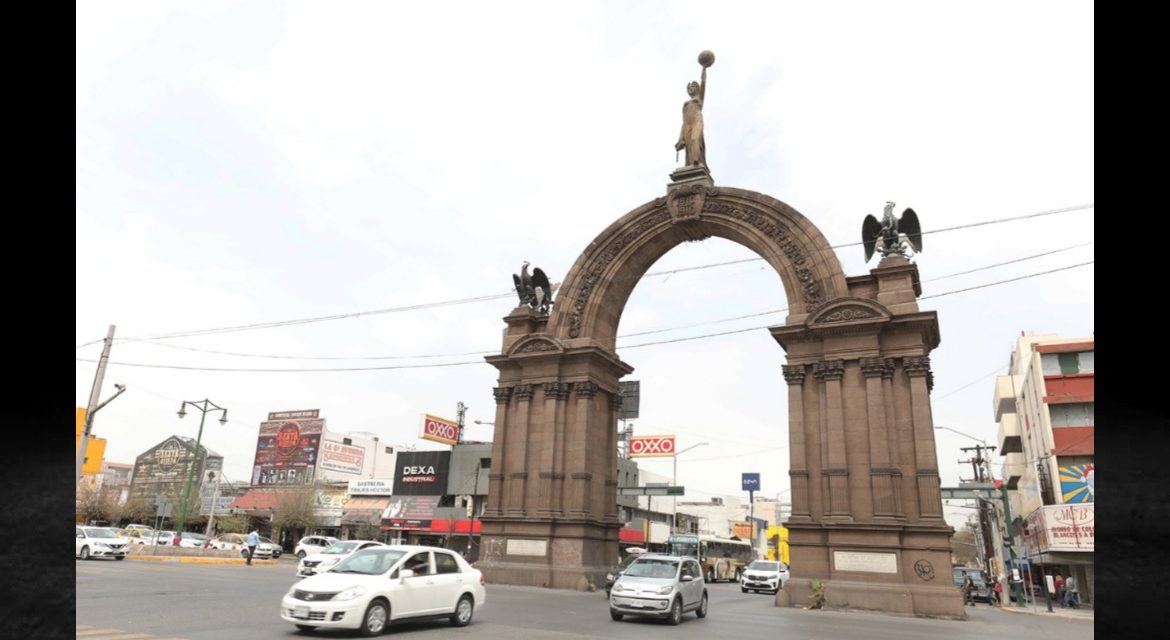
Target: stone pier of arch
column 866, row 507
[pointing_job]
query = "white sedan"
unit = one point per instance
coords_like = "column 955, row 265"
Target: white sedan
column 309, row 545
column 376, row 586
column 331, row 556
column 100, row 542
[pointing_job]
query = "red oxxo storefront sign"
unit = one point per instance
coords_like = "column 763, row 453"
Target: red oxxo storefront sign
column 651, row 446
column 440, row 430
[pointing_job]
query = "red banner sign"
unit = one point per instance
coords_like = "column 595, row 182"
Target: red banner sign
column 651, row 446
column 440, row 430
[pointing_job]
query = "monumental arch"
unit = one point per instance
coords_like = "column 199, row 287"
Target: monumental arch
column 866, row 509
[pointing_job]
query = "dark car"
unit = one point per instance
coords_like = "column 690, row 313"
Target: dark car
column 616, row 572
column 981, row 593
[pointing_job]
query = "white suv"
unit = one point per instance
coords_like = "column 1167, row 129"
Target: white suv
column 764, row 575
column 313, row 544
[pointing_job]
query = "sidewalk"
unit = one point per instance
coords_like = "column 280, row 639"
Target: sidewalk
column 1040, row 609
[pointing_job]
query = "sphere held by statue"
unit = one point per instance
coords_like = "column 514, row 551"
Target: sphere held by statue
column 707, row 58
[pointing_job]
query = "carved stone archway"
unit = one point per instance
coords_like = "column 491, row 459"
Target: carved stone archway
column 867, row 512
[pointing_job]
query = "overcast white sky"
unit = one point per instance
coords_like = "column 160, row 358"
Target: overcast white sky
column 254, row 162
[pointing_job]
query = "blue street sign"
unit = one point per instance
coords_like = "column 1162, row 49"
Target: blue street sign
column 751, row 482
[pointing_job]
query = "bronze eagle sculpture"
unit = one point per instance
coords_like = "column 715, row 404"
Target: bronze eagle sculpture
column 534, row 290
column 887, row 236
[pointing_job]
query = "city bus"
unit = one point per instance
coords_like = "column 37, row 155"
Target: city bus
column 721, row 558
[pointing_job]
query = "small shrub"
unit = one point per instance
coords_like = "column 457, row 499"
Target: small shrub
column 816, row 600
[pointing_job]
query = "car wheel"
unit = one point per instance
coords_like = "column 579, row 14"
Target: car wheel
column 306, row 627
column 374, row 620
column 119, row 557
column 85, row 553
column 243, row 552
column 743, row 589
column 301, row 554
column 738, row 575
column 710, row 574
column 615, row 615
column 702, row 610
column 463, row 610
column 675, row 612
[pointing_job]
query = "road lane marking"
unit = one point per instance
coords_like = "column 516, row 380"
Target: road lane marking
column 88, row 632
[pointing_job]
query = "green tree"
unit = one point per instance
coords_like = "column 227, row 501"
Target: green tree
column 296, row 509
column 137, row 510
column 964, row 548
column 231, row 524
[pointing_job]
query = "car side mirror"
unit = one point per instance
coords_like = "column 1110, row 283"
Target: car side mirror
column 687, row 579
column 406, row 573
column 81, row 535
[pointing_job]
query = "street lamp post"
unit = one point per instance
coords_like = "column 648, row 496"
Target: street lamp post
column 674, row 482
column 203, row 406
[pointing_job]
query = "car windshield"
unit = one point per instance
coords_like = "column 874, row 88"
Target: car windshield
column 763, row 565
column 263, row 539
column 369, row 561
column 340, row 548
column 649, row 568
column 99, row 532
column 626, row 562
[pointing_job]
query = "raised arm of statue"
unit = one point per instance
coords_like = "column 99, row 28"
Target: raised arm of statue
column 703, row 86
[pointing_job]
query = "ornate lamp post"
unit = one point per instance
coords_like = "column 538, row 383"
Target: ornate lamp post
column 204, row 406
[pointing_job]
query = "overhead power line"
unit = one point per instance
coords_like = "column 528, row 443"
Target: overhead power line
column 431, row 305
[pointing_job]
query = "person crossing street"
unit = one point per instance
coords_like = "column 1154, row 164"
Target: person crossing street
column 252, row 541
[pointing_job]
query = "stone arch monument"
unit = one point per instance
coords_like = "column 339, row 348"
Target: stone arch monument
column 866, row 508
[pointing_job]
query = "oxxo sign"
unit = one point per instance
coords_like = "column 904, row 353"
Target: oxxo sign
column 651, row 446
column 440, row 430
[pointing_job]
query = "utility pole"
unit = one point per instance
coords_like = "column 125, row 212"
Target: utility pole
column 1017, row 587
column 979, row 466
column 214, row 503
column 460, row 411
column 93, row 406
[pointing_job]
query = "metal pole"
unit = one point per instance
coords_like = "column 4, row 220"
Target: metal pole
column 214, row 502
column 752, row 518
column 674, row 500
column 1017, row 587
column 92, row 407
column 191, row 474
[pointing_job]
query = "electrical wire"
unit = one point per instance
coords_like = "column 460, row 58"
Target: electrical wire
column 357, row 314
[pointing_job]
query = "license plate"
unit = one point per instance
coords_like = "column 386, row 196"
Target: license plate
column 301, row 612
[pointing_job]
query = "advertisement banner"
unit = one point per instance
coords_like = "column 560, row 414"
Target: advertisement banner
column 293, row 415
column 421, row 473
column 742, row 530
column 410, row 512
column 371, row 487
column 651, row 446
column 1061, row 527
column 439, row 430
column 1076, row 483
column 330, row 503
column 286, row 451
column 751, row 481
column 342, row 457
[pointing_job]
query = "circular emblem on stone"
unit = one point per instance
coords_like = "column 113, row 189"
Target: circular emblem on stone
column 924, row 569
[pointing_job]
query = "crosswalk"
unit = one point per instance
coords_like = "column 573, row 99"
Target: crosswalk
column 87, row 632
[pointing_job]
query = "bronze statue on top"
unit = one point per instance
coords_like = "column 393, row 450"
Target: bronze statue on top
column 887, row 236
column 691, row 135
column 534, row 290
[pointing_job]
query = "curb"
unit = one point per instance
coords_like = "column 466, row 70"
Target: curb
column 1054, row 614
column 198, row 560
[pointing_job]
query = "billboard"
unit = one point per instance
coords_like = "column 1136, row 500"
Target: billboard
column 651, row 446
column 421, row 473
column 286, row 451
column 1061, row 527
column 1076, row 483
column 439, row 430
column 371, row 487
column 410, row 512
column 742, row 530
column 345, row 458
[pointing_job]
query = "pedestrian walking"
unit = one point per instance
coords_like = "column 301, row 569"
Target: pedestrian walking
column 252, row 541
column 968, row 590
column 1058, row 582
column 1071, row 593
column 999, row 592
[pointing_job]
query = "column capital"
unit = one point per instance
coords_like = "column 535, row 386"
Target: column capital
column 793, row 373
column 873, row 367
column 585, row 389
column 829, row 370
column 557, row 390
column 522, row 392
column 502, row 394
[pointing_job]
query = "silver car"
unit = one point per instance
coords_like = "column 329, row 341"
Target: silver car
column 661, row 587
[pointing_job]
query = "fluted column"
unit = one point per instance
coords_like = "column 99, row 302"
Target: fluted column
column 893, row 437
column 499, row 453
column 880, row 473
column 556, row 395
column 611, row 481
column 925, row 457
column 798, row 472
column 836, row 469
column 518, row 443
column 580, row 480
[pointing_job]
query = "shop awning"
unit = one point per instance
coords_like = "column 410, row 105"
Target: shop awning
column 455, row 527
column 364, row 510
column 258, row 500
column 631, row 535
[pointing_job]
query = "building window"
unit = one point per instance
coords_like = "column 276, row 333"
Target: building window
column 1077, row 414
column 346, row 441
column 1063, row 364
column 389, row 449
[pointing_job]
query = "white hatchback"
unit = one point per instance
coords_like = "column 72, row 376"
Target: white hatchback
column 764, row 575
column 375, row 586
column 100, row 542
column 309, row 545
column 331, row 556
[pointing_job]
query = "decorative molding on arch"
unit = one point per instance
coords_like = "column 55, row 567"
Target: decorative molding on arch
column 536, row 345
column 849, row 309
column 593, row 295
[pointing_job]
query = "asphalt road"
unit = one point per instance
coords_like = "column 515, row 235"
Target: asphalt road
column 140, row 600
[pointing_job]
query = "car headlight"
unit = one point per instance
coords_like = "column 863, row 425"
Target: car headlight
column 618, row 587
column 351, row 593
column 664, row 590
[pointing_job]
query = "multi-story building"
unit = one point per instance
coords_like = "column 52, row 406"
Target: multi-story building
column 1044, row 407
